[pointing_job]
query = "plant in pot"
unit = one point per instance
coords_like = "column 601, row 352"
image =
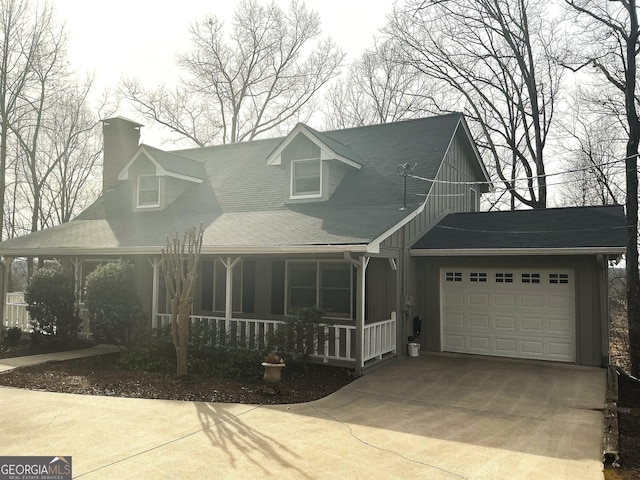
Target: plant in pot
column 273, row 365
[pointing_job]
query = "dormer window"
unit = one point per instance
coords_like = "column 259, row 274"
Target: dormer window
column 148, row 191
column 306, row 178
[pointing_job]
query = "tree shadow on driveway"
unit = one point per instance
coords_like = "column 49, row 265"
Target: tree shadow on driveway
column 235, row 439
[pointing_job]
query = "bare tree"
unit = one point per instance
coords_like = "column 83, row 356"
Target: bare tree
column 495, row 59
column 22, row 30
column 594, row 172
column 378, row 89
column 74, row 144
column 180, row 258
column 261, row 76
column 609, row 43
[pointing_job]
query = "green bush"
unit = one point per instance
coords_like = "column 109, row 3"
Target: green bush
column 113, row 306
column 300, row 335
column 14, row 334
column 50, row 299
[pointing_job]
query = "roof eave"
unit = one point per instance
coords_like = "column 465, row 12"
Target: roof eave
column 476, row 252
column 206, row 250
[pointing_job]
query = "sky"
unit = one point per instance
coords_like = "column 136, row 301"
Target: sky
column 142, row 38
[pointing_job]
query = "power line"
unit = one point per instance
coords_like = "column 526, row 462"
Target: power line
column 520, row 179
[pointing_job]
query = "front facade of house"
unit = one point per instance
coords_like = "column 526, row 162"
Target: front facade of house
column 327, row 219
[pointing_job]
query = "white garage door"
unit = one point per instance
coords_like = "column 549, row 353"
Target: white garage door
column 525, row 313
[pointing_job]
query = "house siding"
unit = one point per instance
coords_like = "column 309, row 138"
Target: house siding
column 590, row 306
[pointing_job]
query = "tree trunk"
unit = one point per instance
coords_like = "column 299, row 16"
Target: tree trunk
column 633, row 278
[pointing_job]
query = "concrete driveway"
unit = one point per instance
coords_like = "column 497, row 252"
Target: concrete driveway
column 437, row 416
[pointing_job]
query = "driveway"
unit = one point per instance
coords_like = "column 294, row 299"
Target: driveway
column 437, row 416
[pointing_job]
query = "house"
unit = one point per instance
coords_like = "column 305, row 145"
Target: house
column 378, row 226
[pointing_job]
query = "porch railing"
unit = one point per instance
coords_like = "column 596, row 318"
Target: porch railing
column 335, row 342
column 15, row 314
column 379, row 338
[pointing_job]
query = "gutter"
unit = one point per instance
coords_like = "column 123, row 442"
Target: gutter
column 476, row 252
column 206, row 250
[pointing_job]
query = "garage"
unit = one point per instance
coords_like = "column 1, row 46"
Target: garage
column 512, row 312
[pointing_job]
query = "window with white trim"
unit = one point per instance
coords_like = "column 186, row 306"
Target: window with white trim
column 323, row 284
column 148, row 191
column 306, row 178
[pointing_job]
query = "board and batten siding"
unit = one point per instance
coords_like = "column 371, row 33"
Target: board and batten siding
column 447, row 194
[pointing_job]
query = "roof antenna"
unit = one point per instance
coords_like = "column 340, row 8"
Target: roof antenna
column 405, row 170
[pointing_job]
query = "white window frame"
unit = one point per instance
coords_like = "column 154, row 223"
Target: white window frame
column 318, row 264
column 295, row 196
column 138, row 191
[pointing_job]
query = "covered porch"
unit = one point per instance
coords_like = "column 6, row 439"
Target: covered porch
column 240, row 300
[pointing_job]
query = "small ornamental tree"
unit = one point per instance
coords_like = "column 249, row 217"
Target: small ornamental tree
column 112, row 304
column 180, row 259
column 50, row 299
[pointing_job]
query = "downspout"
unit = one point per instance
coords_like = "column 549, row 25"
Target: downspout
column 155, row 264
column 603, row 277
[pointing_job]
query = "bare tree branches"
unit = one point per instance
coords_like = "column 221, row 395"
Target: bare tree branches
column 259, row 77
column 609, row 40
column 494, row 57
column 378, row 89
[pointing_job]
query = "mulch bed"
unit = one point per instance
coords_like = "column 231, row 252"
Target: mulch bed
column 101, row 376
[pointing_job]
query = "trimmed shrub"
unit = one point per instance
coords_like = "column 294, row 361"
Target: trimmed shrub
column 14, row 334
column 113, row 306
column 300, row 335
column 50, row 299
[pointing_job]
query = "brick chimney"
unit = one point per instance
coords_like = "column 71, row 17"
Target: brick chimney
column 121, row 138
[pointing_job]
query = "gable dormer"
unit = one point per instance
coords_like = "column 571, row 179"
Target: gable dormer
column 158, row 178
column 315, row 164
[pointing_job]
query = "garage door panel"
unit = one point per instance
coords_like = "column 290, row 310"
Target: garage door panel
column 454, row 320
column 532, row 325
column 560, row 325
column 561, row 301
column 479, row 343
column 479, row 321
column 506, row 346
column 505, row 300
column 454, row 342
column 531, row 301
column 505, row 323
column 479, row 299
column 512, row 312
column 454, row 298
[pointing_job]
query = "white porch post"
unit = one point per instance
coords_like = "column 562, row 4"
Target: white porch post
column 361, row 266
column 155, row 264
column 6, row 265
column 229, row 263
column 77, row 263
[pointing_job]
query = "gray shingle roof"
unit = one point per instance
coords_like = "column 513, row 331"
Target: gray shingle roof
column 176, row 164
column 553, row 228
column 242, row 202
